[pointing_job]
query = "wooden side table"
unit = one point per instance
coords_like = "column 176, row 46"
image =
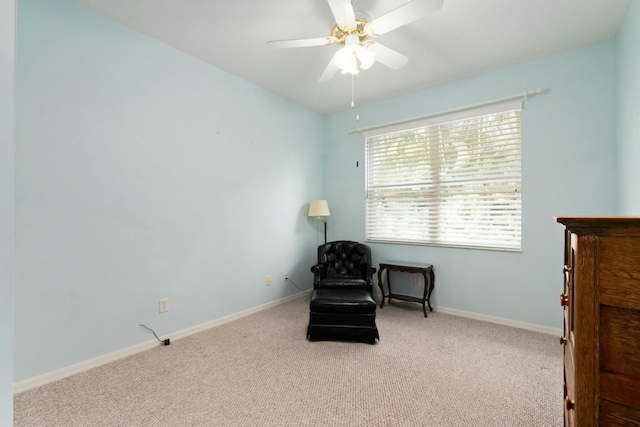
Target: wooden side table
column 408, row 267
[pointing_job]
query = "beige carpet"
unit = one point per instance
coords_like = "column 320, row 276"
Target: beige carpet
column 260, row 371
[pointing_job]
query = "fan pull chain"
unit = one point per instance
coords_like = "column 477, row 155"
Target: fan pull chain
column 357, row 103
column 354, row 93
column 352, row 99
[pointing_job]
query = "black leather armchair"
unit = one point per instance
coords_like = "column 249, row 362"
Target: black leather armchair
column 342, row 305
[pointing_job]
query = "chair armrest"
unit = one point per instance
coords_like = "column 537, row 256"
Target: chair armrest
column 367, row 272
column 370, row 272
column 319, row 271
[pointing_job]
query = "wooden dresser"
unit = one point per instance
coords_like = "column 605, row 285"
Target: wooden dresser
column 601, row 302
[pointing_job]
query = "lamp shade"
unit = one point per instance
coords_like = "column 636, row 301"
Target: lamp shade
column 318, row 208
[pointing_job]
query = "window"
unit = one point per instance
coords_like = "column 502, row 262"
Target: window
column 452, row 180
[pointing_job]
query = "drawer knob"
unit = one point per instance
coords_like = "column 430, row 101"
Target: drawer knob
column 564, row 300
column 563, row 340
column 570, row 404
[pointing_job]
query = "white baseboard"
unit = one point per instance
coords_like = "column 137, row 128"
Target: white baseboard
column 500, row 320
column 68, row 371
column 486, row 318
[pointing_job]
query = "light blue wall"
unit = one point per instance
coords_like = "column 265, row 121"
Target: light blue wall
column 143, row 173
column 568, row 168
column 629, row 112
column 7, row 66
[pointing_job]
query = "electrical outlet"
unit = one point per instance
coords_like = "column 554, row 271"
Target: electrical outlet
column 416, row 280
column 163, row 305
column 268, row 280
column 286, row 276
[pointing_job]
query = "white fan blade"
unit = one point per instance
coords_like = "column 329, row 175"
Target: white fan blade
column 403, row 15
column 320, row 41
column 329, row 72
column 342, row 12
column 388, row 57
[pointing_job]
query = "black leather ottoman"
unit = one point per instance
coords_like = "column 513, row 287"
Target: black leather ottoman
column 342, row 314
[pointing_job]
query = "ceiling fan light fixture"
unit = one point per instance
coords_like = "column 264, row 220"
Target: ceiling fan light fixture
column 353, row 57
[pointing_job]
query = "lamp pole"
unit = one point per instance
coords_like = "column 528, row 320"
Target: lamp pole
column 325, row 230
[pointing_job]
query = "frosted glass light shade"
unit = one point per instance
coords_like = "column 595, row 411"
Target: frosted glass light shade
column 318, row 208
column 343, row 57
column 365, row 56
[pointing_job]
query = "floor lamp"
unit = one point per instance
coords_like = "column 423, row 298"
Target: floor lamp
column 320, row 209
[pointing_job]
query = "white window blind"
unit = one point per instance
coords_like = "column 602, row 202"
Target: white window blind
column 451, row 181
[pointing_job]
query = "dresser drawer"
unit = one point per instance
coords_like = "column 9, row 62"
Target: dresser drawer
column 618, row 271
column 619, row 337
column 614, row 415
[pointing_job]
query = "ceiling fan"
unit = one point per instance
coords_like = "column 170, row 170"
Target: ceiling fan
column 356, row 33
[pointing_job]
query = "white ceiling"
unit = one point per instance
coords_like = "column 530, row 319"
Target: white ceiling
column 464, row 38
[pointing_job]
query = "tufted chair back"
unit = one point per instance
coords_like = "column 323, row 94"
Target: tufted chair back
column 343, row 264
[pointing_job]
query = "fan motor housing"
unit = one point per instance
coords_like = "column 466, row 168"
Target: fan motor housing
column 359, row 29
